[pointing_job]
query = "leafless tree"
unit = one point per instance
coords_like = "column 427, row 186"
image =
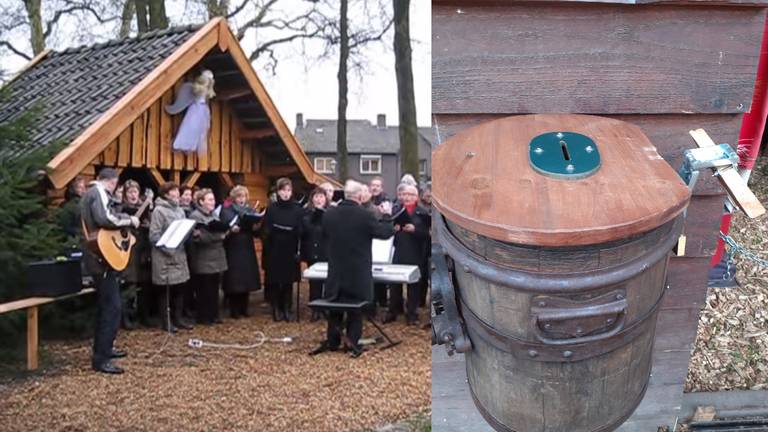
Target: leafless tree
column 406, row 101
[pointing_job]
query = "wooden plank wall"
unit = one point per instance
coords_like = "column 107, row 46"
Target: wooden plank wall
column 148, row 142
column 665, row 68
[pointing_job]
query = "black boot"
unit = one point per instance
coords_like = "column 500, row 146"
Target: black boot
column 287, row 297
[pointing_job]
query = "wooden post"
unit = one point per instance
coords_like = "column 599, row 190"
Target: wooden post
column 32, row 338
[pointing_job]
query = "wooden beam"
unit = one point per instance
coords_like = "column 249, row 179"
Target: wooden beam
column 124, row 147
column 226, row 122
column 32, row 339
column 192, row 178
column 731, row 180
column 234, row 93
column 295, row 150
column 68, row 162
column 280, row 170
column 227, row 179
column 166, row 131
column 257, row 133
column 156, row 176
column 176, row 175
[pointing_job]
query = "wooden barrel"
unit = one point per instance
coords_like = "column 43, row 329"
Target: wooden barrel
column 559, row 271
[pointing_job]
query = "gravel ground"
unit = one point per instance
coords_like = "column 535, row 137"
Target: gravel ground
column 731, row 349
column 275, row 387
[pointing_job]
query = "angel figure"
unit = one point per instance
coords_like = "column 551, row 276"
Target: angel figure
column 193, row 97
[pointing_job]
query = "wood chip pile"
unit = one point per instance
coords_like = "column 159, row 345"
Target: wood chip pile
column 732, row 341
column 275, row 387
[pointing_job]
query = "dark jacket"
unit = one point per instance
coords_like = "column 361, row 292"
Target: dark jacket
column 206, row 253
column 168, row 265
column 138, row 269
column 312, row 245
column 410, row 247
column 348, row 231
column 96, row 214
column 242, row 274
column 281, row 232
column 380, row 198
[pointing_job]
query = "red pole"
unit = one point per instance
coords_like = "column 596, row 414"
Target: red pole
column 751, row 134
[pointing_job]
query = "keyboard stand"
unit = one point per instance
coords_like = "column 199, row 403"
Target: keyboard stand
column 327, row 306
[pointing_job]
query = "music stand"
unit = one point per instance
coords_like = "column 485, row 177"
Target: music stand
column 173, row 237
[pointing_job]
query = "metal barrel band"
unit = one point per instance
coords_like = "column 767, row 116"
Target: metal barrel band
column 550, row 283
column 541, row 352
column 497, row 425
column 498, row 252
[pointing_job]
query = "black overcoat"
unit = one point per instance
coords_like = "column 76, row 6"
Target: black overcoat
column 281, row 234
column 242, row 273
column 348, row 231
column 410, row 247
column 312, row 245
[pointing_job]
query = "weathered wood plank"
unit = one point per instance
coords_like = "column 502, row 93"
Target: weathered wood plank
column 110, row 154
column 124, row 142
column 226, row 148
column 139, row 140
column 214, row 139
column 687, row 281
column 153, row 134
column 237, row 148
column 32, row 337
column 166, row 131
column 247, row 157
column 593, row 58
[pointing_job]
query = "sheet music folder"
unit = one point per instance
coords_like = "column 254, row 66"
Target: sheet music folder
column 176, row 233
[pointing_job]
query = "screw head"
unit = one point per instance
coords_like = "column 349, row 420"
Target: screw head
column 538, row 150
column 547, row 326
column 567, row 354
column 533, row 353
column 471, row 154
column 466, row 269
column 589, row 149
column 619, row 296
column 559, row 135
column 542, row 304
column 609, row 321
column 570, row 168
column 579, row 330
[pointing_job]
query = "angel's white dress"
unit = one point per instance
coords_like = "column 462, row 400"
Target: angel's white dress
column 193, row 131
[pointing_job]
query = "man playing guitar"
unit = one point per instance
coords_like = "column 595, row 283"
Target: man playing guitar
column 96, row 215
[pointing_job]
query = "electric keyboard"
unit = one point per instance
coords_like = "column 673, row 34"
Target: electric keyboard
column 389, row 273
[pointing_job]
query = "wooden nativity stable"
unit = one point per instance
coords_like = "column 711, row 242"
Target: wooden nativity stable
column 665, row 66
column 105, row 104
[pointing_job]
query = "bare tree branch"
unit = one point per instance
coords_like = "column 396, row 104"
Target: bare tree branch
column 14, row 50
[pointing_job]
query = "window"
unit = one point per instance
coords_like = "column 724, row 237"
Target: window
column 370, row 164
column 423, row 168
column 325, row 165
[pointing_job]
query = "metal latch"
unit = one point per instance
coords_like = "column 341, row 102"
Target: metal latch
column 696, row 159
column 447, row 326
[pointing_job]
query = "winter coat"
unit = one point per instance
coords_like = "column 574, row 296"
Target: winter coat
column 348, row 231
column 139, row 267
column 242, row 263
column 169, row 266
column 312, row 245
column 281, row 231
column 410, row 247
column 206, row 253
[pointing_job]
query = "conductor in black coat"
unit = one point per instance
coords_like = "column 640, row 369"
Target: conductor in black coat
column 348, row 231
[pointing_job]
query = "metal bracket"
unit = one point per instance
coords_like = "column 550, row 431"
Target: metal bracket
column 697, row 159
column 447, row 326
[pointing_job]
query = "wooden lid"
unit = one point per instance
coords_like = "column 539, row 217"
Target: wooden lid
column 484, row 181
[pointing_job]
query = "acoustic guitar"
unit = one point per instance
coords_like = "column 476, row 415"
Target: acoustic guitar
column 115, row 245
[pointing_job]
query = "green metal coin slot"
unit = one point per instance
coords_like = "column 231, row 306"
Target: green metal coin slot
column 564, row 155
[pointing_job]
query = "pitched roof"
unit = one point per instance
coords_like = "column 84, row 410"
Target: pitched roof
column 76, row 86
column 319, row 136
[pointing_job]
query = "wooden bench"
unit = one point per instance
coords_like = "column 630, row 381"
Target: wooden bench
column 31, row 305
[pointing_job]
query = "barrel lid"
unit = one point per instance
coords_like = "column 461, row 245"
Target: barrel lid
column 510, row 180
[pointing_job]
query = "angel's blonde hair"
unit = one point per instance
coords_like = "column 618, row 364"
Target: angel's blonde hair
column 203, row 85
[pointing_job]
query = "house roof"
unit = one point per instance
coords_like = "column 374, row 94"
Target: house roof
column 319, row 136
column 90, row 94
column 74, row 87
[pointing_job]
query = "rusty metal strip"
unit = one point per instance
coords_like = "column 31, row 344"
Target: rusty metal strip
column 570, row 283
column 564, row 353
